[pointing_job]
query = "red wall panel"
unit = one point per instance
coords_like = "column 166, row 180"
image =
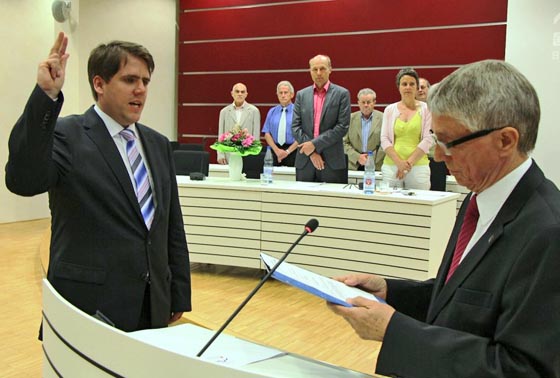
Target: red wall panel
column 223, row 42
column 261, row 87
column 317, row 17
column 428, row 47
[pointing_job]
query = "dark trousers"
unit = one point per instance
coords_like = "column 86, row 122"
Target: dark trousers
column 289, row 161
column 438, row 175
column 145, row 321
column 309, row 173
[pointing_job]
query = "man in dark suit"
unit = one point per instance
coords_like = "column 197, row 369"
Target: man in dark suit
column 492, row 310
column 320, row 121
column 117, row 239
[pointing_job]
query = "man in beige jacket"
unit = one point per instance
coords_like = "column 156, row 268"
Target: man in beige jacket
column 367, row 120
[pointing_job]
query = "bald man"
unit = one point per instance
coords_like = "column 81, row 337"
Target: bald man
column 320, row 121
column 241, row 113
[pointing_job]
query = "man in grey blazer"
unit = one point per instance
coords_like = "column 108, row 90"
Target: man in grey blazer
column 493, row 308
column 117, row 238
column 241, row 113
column 368, row 120
column 320, row 121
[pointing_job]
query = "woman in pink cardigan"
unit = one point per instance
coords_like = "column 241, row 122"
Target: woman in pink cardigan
column 405, row 137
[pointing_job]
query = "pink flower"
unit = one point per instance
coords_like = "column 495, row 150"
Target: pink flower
column 248, row 141
column 223, row 137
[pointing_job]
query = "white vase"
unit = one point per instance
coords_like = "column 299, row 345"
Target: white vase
column 235, row 162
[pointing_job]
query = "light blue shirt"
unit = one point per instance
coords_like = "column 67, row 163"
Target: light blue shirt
column 273, row 120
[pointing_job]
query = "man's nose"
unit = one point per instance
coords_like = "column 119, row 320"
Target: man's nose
column 141, row 87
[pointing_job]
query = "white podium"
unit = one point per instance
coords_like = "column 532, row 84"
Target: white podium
column 78, row 345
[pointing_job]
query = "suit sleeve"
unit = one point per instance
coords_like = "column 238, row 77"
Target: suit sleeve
column 349, row 150
column 179, row 262
column 30, row 169
column 353, row 154
column 221, row 130
column 426, row 142
column 410, row 297
column 297, row 124
column 387, row 127
column 524, row 344
column 267, row 122
column 256, row 123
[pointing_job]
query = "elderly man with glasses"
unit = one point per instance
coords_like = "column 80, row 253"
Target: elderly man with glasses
column 492, row 310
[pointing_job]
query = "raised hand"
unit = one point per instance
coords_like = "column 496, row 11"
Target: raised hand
column 51, row 72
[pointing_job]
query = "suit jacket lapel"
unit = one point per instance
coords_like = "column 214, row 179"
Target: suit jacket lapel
column 445, row 291
column 97, row 132
column 373, row 124
column 515, row 202
column 308, row 98
column 328, row 99
column 231, row 112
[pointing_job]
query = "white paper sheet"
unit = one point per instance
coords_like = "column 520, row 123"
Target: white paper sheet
column 316, row 284
column 188, row 340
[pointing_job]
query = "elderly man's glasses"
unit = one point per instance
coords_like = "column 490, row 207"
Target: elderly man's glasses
column 447, row 146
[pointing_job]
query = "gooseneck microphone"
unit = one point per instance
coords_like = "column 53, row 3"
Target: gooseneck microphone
column 310, row 226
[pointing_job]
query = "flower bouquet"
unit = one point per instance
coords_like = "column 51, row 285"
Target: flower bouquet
column 237, row 142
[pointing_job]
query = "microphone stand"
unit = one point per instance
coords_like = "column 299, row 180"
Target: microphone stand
column 263, row 280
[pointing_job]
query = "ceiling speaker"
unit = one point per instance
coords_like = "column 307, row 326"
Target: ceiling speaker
column 61, row 10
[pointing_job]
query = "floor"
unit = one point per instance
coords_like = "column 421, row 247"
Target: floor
column 278, row 315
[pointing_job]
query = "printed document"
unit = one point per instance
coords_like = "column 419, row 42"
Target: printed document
column 316, row 284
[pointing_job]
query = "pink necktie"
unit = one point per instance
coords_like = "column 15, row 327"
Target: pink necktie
column 467, row 230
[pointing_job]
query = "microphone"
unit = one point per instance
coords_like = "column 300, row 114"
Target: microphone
column 309, row 227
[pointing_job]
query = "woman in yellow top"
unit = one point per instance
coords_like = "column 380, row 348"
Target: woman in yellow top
column 405, row 136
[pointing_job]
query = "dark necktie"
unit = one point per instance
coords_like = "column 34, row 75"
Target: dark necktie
column 467, row 231
column 140, row 173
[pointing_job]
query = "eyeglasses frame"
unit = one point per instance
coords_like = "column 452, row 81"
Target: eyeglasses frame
column 477, row 134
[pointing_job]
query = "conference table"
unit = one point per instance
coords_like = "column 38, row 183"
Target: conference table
column 354, row 177
column 399, row 234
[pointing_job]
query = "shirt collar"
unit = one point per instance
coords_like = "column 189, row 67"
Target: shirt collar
column 491, row 200
column 325, row 87
column 368, row 118
column 112, row 126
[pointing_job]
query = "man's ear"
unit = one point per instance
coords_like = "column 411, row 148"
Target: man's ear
column 508, row 139
column 98, row 84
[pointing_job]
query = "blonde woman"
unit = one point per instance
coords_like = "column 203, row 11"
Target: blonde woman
column 405, row 136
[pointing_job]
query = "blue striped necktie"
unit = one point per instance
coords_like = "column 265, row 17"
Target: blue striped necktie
column 140, row 173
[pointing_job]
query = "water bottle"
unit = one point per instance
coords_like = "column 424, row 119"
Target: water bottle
column 369, row 174
column 268, row 164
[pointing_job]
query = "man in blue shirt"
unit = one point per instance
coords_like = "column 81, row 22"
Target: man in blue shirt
column 277, row 127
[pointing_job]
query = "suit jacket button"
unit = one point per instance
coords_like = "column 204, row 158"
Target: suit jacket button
column 145, row 277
